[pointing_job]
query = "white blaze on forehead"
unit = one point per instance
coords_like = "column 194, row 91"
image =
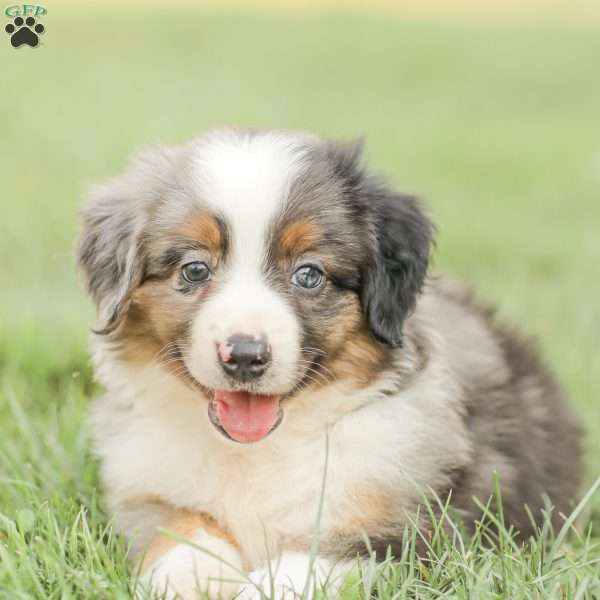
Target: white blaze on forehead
column 246, row 178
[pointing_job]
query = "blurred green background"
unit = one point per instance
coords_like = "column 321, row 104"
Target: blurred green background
column 495, row 121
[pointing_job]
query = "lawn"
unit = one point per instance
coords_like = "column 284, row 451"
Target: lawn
column 495, row 124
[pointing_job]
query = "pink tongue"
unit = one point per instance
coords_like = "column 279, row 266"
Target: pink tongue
column 246, row 417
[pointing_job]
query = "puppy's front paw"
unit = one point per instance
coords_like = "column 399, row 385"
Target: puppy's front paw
column 185, row 572
column 288, row 577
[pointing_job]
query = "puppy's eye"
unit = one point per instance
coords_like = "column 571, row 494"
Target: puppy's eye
column 308, row 277
column 195, row 272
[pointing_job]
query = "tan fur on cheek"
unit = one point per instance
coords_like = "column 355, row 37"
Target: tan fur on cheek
column 167, row 309
column 357, row 356
column 157, row 315
column 361, row 360
column 184, row 524
column 346, row 323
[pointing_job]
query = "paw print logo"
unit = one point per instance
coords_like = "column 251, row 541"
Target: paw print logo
column 24, row 32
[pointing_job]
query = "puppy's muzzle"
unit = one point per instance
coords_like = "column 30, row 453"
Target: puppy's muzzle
column 244, row 357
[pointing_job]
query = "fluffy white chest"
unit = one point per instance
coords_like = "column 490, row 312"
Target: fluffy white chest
column 155, row 440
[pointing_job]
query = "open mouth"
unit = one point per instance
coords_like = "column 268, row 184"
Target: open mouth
column 244, row 417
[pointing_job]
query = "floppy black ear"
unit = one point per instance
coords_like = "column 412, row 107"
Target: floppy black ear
column 400, row 241
column 393, row 278
column 108, row 251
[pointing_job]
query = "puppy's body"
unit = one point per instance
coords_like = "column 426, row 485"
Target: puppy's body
column 391, row 386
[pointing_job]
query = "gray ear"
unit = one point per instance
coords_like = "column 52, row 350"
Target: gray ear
column 109, row 248
column 114, row 221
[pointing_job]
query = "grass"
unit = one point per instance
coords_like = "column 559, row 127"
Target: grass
column 495, row 124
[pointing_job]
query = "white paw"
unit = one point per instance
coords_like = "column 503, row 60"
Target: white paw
column 288, row 577
column 185, row 572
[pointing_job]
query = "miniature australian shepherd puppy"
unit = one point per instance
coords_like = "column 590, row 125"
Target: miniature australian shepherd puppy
column 279, row 367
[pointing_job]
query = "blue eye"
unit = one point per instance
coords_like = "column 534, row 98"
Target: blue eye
column 195, row 272
column 308, row 277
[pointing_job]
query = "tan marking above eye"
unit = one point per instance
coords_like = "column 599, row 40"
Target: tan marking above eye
column 204, row 229
column 298, row 237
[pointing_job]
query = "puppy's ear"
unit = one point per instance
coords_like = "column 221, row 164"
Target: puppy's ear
column 399, row 236
column 109, row 250
column 396, row 272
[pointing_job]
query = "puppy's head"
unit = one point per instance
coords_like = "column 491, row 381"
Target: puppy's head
column 254, row 265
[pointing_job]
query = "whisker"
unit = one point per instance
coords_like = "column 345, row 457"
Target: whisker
column 313, row 371
column 319, row 365
column 166, row 349
column 175, row 359
column 314, row 350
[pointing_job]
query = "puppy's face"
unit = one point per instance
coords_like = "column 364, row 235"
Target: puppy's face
column 254, row 265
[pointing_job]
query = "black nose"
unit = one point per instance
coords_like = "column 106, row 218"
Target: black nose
column 244, row 357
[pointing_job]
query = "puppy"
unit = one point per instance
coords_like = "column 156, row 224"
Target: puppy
column 280, row 370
